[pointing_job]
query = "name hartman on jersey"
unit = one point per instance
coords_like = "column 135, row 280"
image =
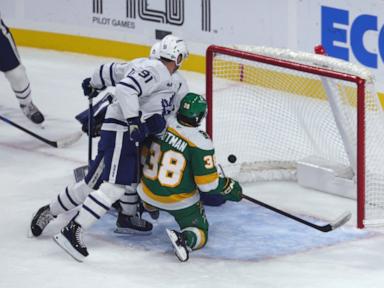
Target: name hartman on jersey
column 174, row 141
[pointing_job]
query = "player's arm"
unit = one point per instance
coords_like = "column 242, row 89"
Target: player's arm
column 109, row 74
column 207, row 178
column 136, row 84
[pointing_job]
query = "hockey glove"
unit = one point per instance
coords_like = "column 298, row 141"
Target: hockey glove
column 88, row 89
column 210, row 199
column 232, row 190
column 138, row 131
column 155, row 124
column 99, row 110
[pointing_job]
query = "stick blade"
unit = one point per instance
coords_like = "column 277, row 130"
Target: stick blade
column 344, row 218
column 68, row 140
column 80, row 173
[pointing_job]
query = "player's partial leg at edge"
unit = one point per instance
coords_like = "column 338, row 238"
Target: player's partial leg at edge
column 16, row 75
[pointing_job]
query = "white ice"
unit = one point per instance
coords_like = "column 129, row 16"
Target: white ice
column 248, row 245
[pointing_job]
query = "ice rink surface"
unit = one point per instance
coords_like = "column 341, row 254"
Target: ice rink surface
column 248, row 246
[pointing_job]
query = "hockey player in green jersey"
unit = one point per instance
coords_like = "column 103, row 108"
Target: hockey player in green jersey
column 178, row 167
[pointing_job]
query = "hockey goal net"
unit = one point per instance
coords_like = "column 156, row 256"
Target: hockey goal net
column 289, row 115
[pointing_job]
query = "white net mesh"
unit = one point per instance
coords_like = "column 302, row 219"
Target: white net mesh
column 270, row 117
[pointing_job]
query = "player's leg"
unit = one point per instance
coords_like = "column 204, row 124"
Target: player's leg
column 15, row 72
column 118, row 173
column 94, row 207
column 73, row 196
column 194, row 230
column 129, row 220
column 76, row 193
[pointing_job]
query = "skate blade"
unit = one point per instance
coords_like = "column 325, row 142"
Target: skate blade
column 29, row 233
column 67, row 247
column 181, row 254
column 129, row 231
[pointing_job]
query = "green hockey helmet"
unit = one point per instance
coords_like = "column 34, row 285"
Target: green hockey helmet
column 192, row 110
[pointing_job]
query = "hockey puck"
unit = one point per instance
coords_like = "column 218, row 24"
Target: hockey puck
column 232, row 158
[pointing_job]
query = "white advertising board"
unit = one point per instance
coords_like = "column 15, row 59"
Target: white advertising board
column 350, row 30
column 201, row 22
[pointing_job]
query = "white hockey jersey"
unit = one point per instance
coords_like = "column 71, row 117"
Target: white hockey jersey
column 141, row 85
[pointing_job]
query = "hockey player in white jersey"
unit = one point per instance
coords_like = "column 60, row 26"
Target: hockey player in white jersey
column 123, row 223
column 106, row 76
column 142, row 99
column 15, row 72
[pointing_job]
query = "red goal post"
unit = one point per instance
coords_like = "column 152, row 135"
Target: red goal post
column 257, row 74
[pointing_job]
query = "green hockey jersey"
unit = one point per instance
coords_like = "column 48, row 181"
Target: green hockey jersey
column 177, row 166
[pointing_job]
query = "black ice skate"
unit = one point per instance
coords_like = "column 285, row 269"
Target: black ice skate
column 70, row 239
column 152, row 211
column 178, row 242
column 132, row 225
column 40, row 220
column 32, row 113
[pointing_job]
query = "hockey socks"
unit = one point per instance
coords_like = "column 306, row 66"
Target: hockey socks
column 195, row 238
column 20, row 84
column 73, row 196
column 94, row 207
column 129, row 201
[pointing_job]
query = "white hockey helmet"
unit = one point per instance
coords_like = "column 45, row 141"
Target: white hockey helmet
column 155, row 51
column 174, row 49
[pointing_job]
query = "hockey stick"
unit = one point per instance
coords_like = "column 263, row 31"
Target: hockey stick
column 341, row 220
column 90, row 124
column 81, row 171
column 57, row 143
